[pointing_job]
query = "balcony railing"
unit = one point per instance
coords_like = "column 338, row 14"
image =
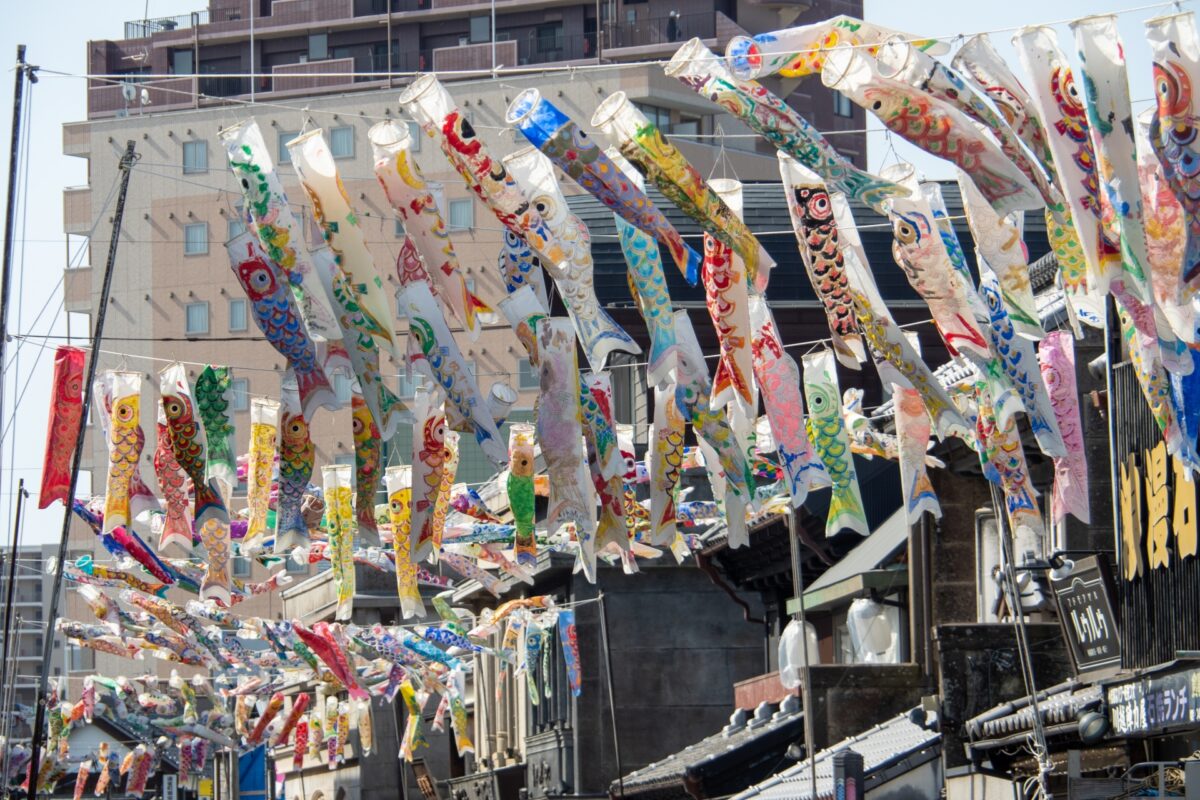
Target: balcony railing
column 660, row 30
column 141, row 28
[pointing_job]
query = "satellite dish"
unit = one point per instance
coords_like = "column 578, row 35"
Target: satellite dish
column 129, row 92
column 145, row 98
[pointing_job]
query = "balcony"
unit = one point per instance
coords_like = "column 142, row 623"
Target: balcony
column 76, row 140
column 659, row 31
column 474, row 57
column 141, row 28
column 77, row 209
column 312, row 75
column 108, row 100
column 77, row 289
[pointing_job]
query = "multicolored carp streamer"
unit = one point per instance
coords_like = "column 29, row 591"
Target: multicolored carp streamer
column 467, row 500
column 1175, row 45
column 441, row 506
column 292, row 720
column 1056, row 356
column 799, row 51
column 817, row 234
column 1151, row 375
column 358, row 344
column 569, row 640
column 827, row 432
column 661, row 162
column 771, row 118
column 779, row 379
column 1110, row 125
column 992, row 77
column 1060, row 105
column 1018, row 357
column 409, row 195
column 62, row 430
column 692, row 397
column 214, row 397
column 125, row 440
column 520, row 266
column 520, row 491
column 666, row 464
column 274, row 310
column 596, row 404
column 598, row 333
column 432, row 349
column 314, row 165
column 936, row 127
column 560, row 434
column 427, row 101
column 562, row 141
column 399, row 490
column 428, row 462
column 912, row 430
column 187, row 442
column 999, row 242
column 264, row 433
column 1003, row 460
column 274, row 706
column 279, row 232
column 297, row 457
column 648, row 285
column 368, row 470
column 898, row 60
column 341, row 524
column 726, row 296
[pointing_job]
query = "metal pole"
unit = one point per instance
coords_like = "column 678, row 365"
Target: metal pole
column 39, row 715
column 810, row 739
column 493, row 38
column 10, row 216
column 612, row 700
column 252, row 65
column 6, row 679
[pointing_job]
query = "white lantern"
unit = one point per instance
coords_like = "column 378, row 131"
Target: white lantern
column 791, row 657
column 870, row 631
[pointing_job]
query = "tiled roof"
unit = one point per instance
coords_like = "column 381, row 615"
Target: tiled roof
column 733, row 752
column 1059, row 708
column 888, row 750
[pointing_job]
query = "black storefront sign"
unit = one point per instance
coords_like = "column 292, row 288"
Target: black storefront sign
column 1085, row 609
column 1151, row 705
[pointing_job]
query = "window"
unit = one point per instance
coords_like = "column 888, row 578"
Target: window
column 527, row 377
column 284, row 137
column 241, row 567
column 415, row 137
column 195, row 156
column 196, row 318
column 182, row 63
column 235, row 228
column 237, row 315
column 661, row 117
column 80, row 659
column 342, row 387
column 410, row 384
column 399, row 228
column 549, row 38
column 318, row 46
column 462, row 214
column 195, row 239
column 841, row 105
column 341, row 142
column 239, row 388
column 687, row 126
column 481, row 29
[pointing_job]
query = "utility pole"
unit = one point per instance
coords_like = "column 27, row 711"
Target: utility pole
column 39, row 711
column 5, row 677
column 23, row 71
column 810, row 742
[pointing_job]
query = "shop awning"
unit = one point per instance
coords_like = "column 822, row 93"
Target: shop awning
column 861, row 570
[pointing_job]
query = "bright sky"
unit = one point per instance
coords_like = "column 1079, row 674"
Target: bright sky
column 56, row 32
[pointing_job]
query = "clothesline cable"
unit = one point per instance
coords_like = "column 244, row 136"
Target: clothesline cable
column 167, row 339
